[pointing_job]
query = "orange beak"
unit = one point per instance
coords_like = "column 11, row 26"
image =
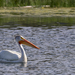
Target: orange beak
column 26, row 42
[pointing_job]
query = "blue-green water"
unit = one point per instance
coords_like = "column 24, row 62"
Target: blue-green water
column 56, row 40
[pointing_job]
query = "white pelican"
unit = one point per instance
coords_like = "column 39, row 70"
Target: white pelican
column 13, row 56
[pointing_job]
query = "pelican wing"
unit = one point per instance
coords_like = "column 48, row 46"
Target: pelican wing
column 9, row 55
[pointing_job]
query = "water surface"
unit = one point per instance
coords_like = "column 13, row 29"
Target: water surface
column 56, row 42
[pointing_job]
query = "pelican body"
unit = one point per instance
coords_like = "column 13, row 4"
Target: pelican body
column 13, row 56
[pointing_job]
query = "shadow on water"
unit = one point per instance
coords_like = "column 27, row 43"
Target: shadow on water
column 21, row 64
column 10, row 22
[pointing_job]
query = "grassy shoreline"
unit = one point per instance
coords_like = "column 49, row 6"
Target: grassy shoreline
column 37, row 12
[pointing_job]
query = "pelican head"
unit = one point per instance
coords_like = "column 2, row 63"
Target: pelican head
column 21, row 40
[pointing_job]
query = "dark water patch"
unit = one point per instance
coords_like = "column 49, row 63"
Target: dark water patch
column 9, row 22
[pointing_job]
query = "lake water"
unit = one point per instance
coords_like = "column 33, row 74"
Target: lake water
column 55, row 37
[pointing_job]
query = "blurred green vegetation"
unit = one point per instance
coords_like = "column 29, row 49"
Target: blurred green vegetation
column 52, row 3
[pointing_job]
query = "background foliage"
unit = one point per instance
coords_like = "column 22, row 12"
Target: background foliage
column 52, row 3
